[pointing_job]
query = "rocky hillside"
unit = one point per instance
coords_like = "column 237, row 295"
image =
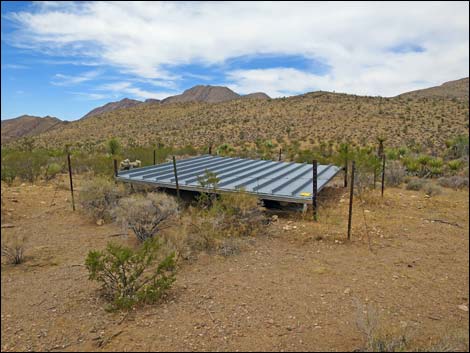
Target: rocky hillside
column 208, row 94
column 123, row 103
column 256, row 95
column 452, row 89
column 309, row 119
column 27, row 125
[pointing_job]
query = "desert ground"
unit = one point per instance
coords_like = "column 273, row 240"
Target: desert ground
column 303, row 287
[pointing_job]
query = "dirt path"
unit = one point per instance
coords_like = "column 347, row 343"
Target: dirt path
column 291, row 291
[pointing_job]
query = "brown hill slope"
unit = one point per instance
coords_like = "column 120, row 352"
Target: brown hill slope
column 123, row 103
column 309, row 119
column 209, row 94
column 27, row 125
column 256, row 95
column 452, row 89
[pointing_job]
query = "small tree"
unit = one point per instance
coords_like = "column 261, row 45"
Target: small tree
column 130, row 276
column 209, row 180
column 114, row 147
column 145, row 215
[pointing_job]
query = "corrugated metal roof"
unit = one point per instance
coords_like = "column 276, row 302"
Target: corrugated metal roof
column 271, row 180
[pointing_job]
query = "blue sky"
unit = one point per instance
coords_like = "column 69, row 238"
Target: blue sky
column 66, row 58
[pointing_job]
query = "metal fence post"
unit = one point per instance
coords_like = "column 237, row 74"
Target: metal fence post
column 280, row 154
column 353, row 167
column 383, row 174
column 154, row 157
column 71, row 181
column 314, row 189
column 176, row 178
column 346, row 169
column 115, row 167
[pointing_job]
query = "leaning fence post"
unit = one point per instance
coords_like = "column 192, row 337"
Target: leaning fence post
column 70, row 177
column 314, row 189
column 280, row 154
column 383, row 174
column 346, row 168
column 176, row 178
column 115, row 167
column 353, row 168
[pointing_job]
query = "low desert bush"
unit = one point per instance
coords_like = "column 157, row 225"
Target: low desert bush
column 416, row 184
column 220, row 227
column 13, row 249
column 394, row 173
column 128, row 276
column 145, row 214
column 432, row 190
column 454, row 182
column 99, row 196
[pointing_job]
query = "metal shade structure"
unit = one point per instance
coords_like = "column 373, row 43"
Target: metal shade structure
column 269, row 180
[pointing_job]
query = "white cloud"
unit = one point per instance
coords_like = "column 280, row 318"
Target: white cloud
column 69, row 80
column 127, row 88
column 91, row 96
column 354, row 39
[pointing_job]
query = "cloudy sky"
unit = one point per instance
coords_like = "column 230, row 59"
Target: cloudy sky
column 65, row 58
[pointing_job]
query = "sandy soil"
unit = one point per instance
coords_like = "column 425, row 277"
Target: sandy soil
column 298, row 289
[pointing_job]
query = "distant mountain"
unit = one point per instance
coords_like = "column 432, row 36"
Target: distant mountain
column 208, row 94
column 256, row 95
column 452, row 89
column 27, row 125
column 152, row 101
column 123, row 103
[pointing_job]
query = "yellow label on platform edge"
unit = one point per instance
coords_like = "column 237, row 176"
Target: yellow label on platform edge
column 305, row 194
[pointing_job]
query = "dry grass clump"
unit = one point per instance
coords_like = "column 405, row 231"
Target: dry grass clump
column 381, row 336
column 13, row 248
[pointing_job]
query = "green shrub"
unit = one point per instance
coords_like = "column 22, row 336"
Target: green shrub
column 454, row 165
column 424, row 160
column 99, row 196
column 145, row 215
column 128, row 276
column 26, row 165
column 98, row 163
column 114, row 147
column 8, row 174
column 52, row 170
column 436, row 163
column 224, row 149
column 411, row 165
